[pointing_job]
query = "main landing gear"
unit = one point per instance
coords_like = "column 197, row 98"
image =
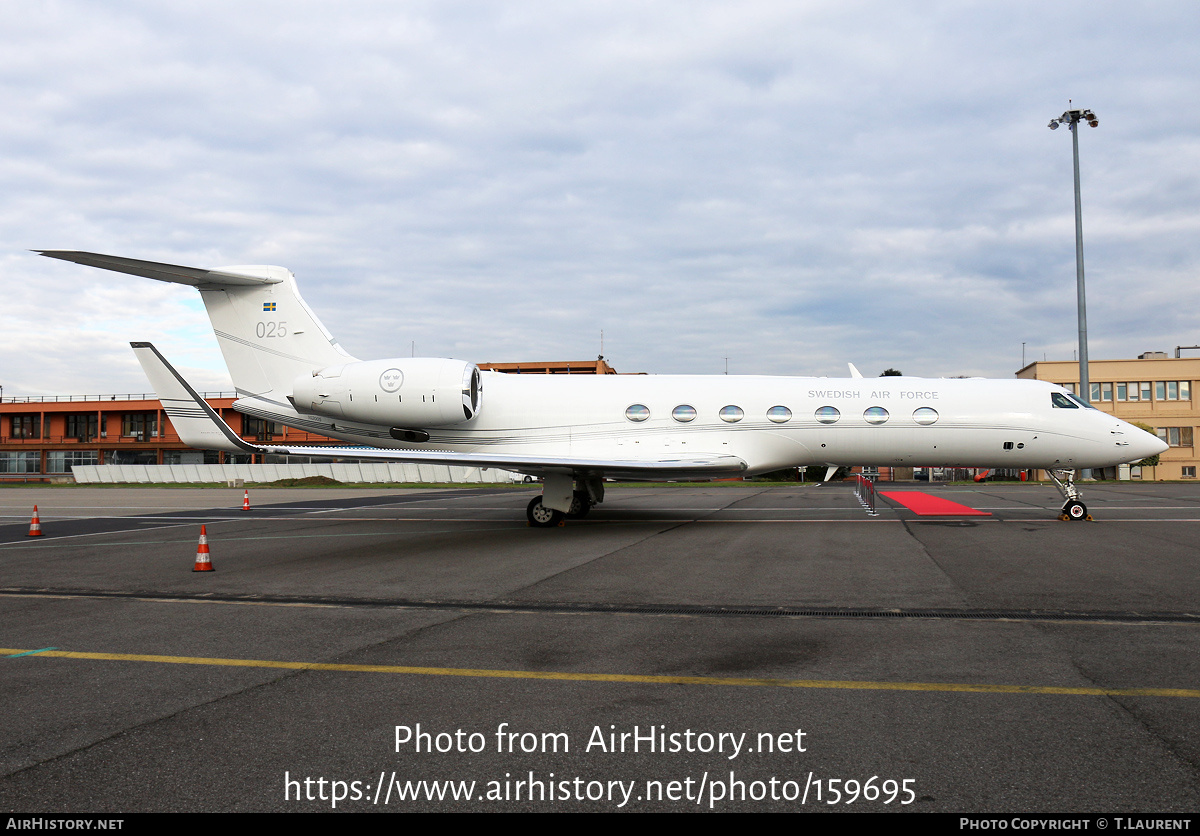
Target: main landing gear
column 542, row 517
column 561, row 500
column 1072, row 508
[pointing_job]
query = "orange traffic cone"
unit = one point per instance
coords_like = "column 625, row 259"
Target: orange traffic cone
column 203, row 562
column 246, row 501
column 35, row 525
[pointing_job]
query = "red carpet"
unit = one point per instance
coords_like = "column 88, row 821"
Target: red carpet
column 931, row 506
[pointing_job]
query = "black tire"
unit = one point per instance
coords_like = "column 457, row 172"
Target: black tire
column 581, row 503
column 540, row 516
column 1075, row 510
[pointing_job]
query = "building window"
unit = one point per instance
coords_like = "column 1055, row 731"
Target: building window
column 1189, row 471
column 263, row 430
column 61, row 461
column 1101, row 392
column 26, row 426
column 131, row 457
column 1172, row 390
column 1136, row 390
column 1121, row 391
column 1175, row 436
column 21, row 461
column 83, row 427
column 183, row 457
column 143, row 425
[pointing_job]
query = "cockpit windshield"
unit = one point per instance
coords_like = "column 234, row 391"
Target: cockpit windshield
column 1066, row 400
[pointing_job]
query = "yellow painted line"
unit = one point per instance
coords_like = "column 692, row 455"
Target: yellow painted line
column 846, row 685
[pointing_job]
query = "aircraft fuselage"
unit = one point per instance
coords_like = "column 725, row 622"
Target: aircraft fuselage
column 769, row 422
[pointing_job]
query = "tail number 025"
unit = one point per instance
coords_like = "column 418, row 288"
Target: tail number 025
column 265, row 330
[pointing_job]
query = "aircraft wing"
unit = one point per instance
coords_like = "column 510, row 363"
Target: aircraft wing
column 199, row 425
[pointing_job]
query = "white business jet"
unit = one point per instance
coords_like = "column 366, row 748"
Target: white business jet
column 574, row 431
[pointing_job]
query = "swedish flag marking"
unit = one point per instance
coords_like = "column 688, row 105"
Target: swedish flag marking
column 268, row 306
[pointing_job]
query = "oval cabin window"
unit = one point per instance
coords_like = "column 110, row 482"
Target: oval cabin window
column 637, row 413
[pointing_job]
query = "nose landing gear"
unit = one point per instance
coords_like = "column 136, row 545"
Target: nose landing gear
column 1073, row 508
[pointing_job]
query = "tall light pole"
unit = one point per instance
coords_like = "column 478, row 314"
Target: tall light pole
column 1071, row 118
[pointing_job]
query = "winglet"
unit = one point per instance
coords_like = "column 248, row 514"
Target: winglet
column 197, row 423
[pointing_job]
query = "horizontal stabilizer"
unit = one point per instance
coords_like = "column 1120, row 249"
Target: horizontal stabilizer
column 194, row 276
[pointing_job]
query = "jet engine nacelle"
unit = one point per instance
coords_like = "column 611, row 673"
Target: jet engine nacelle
column 413, row 392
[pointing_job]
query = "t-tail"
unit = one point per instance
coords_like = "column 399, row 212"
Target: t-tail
column 266, row 332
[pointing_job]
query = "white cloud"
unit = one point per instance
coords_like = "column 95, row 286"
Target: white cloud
column 789, row 185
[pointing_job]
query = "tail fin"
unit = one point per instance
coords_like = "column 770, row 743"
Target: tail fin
column 267, row 333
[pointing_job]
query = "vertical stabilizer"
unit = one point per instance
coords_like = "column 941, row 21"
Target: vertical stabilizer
column 267, row 333
column 268, row 336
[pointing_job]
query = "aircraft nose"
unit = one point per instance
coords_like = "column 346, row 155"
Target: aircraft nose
column 1143, row 445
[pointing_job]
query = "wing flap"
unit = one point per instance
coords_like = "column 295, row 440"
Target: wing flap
column 708, row 467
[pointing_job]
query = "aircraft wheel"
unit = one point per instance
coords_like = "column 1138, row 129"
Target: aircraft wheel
column 581, row 503
column 540, row 516
column 1076, row 510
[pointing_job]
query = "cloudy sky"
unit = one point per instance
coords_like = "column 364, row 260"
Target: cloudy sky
column 789, row 185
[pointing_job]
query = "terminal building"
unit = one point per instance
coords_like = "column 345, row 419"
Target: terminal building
column 1155, row 390
column 47, row 435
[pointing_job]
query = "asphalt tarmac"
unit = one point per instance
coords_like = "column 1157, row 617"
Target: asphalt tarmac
column 726, row 648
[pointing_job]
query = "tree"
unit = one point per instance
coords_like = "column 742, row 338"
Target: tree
column 1149, row 461
column 892, row 373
